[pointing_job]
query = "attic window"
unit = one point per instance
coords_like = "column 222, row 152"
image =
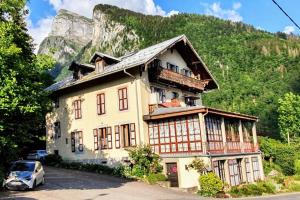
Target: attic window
column 172, row 67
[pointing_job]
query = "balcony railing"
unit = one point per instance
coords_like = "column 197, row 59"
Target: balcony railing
column 167, row 75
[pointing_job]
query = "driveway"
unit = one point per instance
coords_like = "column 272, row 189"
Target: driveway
column 62, row 184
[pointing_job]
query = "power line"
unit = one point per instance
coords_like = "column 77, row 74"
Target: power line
column 286, row 14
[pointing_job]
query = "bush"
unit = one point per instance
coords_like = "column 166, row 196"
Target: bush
column 154, row 178
column 210, row 184
column 144, row 161
column 269, row 166
column 253, row 189
column 297, row 167
column 295, row 187
column 53, row 160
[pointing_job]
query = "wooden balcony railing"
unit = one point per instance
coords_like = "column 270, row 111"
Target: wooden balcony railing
column 170, row 76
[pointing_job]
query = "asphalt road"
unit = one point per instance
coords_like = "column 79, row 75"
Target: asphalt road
column 62, row 184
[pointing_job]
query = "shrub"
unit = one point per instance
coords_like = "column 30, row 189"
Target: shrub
column 53, row 160
column 154, row 178
column 198, row 165
column 253, row 189
column 122, row 171
column 295, row 187
column 144, row 161
column 297, row 167
column 210, row 184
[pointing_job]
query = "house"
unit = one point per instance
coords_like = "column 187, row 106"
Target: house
column 153, row 97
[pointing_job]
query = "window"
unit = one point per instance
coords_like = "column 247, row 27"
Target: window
column 76, row 141
column 160, row 94
column 57, row 131
column 77, row 107
column 175, row 135
column 248, row 169
column 235, row 171
column 190, row 102
column 125, row 135
column 56, row 102
column 219, row 169
column 214, row 133
column 102, row 138
column 187, row 72
column 101, row 104
column 123, row 99
column 232, row 135
column 255, row 166
column 172, row 67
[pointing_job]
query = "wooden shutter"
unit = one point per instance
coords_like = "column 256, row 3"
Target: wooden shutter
column 109, row 138
column 117, row 136
column 73, row 142
column 58, row 130
column 96, row 139
column 132, row 135
column 80, row 147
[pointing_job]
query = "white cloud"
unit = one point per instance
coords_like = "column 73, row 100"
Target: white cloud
column 289, row 29
column 85, row 7
column 173, row 12
column 40, row 30
column 216, row 10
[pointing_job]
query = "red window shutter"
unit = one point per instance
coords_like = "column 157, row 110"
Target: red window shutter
column 73, row 142
column 109, row 138
column 96, row 139
column 80, row 147
column 132, row 135
column 117, row 136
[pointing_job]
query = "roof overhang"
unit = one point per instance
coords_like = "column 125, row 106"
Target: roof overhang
column 196, row 110
column 104, row 56
column 75, row 65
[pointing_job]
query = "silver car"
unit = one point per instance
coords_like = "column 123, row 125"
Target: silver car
column 37, row 155
column 25, row 175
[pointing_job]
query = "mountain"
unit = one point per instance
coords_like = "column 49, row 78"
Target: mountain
column 253, row 67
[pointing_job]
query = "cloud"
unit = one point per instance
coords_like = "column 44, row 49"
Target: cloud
column 85, row 7
column 41, row 29
column 216, row 10
column 289, row 29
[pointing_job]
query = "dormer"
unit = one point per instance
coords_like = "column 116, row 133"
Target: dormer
column 101, row 60
column 80, row 70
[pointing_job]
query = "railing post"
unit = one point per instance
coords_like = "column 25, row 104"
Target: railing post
column 223, row 134
column 203, row 133
column 241, row 136
column 254, row 136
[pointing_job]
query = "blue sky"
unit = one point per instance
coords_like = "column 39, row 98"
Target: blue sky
column 262, row 14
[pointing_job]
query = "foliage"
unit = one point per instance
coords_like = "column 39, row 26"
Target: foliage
column 280, row 153
column 269, row 166
column 210, row 184
column 53, row 160
column 253, row 189
column 144, row 161
column 198, row 165
column 254, row 68
column 23, row 102
column 289, row 116
column 154, row 178
column 297, row 167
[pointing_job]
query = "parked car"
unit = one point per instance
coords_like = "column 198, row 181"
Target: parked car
column 37, row 155
column 25, row 175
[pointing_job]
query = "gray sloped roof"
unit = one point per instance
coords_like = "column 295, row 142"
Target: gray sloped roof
column 60, row 84
column 128, row 61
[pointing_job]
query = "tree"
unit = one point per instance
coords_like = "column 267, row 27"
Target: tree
column 289, row 116
column 23, row 101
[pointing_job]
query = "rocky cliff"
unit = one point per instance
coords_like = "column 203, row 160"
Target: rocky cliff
column 74, row 37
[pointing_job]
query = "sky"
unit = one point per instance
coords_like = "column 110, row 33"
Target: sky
column 262, row 14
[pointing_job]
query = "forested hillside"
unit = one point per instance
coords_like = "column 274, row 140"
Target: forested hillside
column 253, row 68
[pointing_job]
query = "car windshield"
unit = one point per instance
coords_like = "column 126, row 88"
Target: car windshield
column 23, row 167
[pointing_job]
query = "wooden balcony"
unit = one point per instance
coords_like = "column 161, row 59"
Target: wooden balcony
column 170, row 77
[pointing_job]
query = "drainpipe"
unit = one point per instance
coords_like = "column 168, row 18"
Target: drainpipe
column 137, row 101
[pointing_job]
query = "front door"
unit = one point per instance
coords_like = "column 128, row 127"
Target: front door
column 172, row 174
